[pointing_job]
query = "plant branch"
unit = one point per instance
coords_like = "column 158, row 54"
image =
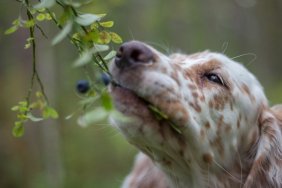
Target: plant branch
column 105, row 67
column 34, row 69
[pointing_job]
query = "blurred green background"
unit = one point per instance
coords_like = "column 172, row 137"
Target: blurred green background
column 60, row 153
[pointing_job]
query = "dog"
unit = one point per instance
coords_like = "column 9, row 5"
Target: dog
column 218, row 130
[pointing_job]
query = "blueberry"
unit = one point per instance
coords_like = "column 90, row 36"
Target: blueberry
column 82, row 86
column 105, row 78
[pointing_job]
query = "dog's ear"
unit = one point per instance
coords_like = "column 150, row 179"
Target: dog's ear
column 266, row 169
column 277, row 110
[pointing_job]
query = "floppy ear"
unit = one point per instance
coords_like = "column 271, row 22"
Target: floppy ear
column 266, row 169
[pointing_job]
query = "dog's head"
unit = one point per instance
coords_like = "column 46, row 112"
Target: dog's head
column 215, row 109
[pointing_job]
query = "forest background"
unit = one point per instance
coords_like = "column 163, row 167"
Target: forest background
column 59, row 153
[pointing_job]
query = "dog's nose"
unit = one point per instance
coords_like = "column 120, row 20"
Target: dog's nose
column 133, row 52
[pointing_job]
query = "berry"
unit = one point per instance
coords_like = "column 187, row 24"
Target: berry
column 82, row 86
column 105, row 78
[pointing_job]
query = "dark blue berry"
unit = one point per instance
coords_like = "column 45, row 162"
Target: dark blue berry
column 105, row 78
column 82, row 86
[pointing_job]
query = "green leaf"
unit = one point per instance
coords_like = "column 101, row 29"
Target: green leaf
column 116, row 38
column 87, row 19
column 38, row 94
column 29, row 23
column 107, row 24
column 11, row 30
column 41, row 17
column 49, row 112
column 66, row 16
column 32, row 11
column 27, row 45
column 83, row 59
column 34, row 105
column 41, row 10
column 92, row 36
column 23, row 103
column 88, row 100
column 15, row 108
column 94, row 26
column 70, row 116
column 100, row 48
column 18, row 129
column 94, row 116
column 64, row 32
column 45, row 4
column 22, row 117
column 76, row 36
column 48, row 16
column 120, row 117
column 33, row 118
column 106, row 101
column 104, row 37
column 110, row 55
column 159, row 114
column 72, row 3
column 16, row 21
column 23, row 109
column 86, row 56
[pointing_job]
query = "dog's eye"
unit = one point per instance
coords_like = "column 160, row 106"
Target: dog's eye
column 214, row 78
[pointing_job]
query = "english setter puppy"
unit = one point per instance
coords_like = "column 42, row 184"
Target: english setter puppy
column 219, row 131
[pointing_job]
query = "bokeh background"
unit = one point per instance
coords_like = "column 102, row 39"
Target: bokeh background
column 61, row 154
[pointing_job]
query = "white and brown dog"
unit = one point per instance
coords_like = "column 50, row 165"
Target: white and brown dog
column 226, row 136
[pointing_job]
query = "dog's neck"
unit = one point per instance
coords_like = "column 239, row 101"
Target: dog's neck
column 183, row 174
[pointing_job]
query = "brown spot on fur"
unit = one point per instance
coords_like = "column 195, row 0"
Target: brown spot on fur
column 175, row 77
column 220, row 122
column 231, row 105
column 219, row 101
column 208, row 125
column 239, row 121
column 202, row 98
column 192, row 86
column 211, row 104
column 217, row 143
column 202, row 133
column 171, row 109
column 245, row 89
column 207, row 158
column 166, row 162
column 227, row 128
column 195, row 106
column 195, row 95
column 164, row 70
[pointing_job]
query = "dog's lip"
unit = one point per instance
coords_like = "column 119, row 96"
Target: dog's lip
column 126, row 99
column 115, row 85
column 124, row 94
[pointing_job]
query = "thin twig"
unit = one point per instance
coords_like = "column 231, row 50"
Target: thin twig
column 41, row 30
column 34, row 69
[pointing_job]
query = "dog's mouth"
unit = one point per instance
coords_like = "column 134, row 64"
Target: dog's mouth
column 130, row 99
